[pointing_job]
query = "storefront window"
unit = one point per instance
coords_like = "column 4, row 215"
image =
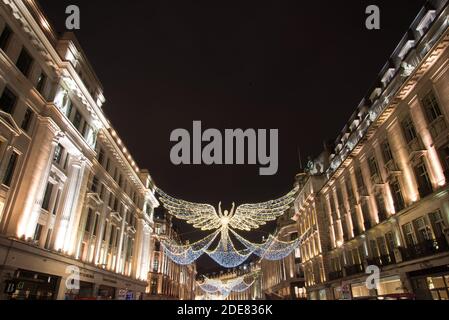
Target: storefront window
column 390, row 286
column 360, row 290
column 439, row 287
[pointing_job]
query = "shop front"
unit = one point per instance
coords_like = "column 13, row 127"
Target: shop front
column 431, row 284
column 30, row 285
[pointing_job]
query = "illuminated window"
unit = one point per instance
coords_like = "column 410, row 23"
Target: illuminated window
column 433, row 113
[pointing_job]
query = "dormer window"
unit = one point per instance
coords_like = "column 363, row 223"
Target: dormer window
column 406, row 49
column 426, row 21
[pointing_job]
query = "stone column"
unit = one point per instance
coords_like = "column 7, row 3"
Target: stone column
column 433, row 163
column 70, row 203
column 401, row 154
column 25, row 213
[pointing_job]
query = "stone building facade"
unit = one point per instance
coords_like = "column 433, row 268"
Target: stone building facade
column 379, row 195
column 166, row 279
column 72, row 199
column 284, row 279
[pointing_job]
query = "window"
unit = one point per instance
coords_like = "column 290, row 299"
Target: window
column 111, row 236
column 77, row 120
column 444, row 158
column 24, row 62
column 88, row 220
column 27, row 119
column 59, row 150
column 47, row 197
column 422, row 177
column 5, row 37
column 7, row 179
column 100, row 156
column 439, row 225
column 104, row 231
column 424, row 232
column 374, row 170
column 431, row 107
column 37, row 232
column 58, row 196
column 398, row 199
column 366, row 215
column 359, row 179
column 95, row 225
column 8, row 101
column 386, row 151
column 381, row 211
column 48, row 239
column 409, row 130
column 41, row 81
column 409, row 234
column 391, row 243
column 94, row 186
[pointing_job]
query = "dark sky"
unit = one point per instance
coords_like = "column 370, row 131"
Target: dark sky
column 298, row 66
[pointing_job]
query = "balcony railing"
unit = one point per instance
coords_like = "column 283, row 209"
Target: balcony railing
column 334, row 275
column 437, row 127
column 424, row 249
column 383, row 260
column 354, row 269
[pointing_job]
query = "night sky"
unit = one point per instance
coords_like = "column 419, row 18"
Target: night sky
column 298, row 66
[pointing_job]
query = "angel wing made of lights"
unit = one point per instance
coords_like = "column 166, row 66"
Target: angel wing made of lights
column 246, row 217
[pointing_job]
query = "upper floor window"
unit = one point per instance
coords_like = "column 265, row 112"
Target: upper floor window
column 5, row 37
column 386, row 151
column 41, row 81
column 396, row 192
column 9, row 174
column 8, row 101
column 59, row 150
column 47, row 197
column 439, row 225
column 100, row 156
column 27, row 119
column 423, row 179
column 409, row 234
column 24, row 62
column 409, row 129
column 431, row 106
column 433, row 113
column 374, row 170
column 359, row 178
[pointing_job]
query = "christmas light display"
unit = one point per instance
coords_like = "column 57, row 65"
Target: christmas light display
column 222, row 289
column 246, row 218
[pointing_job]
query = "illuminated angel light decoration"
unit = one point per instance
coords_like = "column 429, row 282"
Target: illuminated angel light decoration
column 222, row 289
column 246, row 217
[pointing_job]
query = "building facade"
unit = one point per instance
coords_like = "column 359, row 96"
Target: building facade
column 168, row 280
column 284, row 279
column 379, row 196
column 72, row 200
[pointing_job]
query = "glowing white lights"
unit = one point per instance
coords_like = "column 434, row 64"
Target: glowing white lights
column 246, row 217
